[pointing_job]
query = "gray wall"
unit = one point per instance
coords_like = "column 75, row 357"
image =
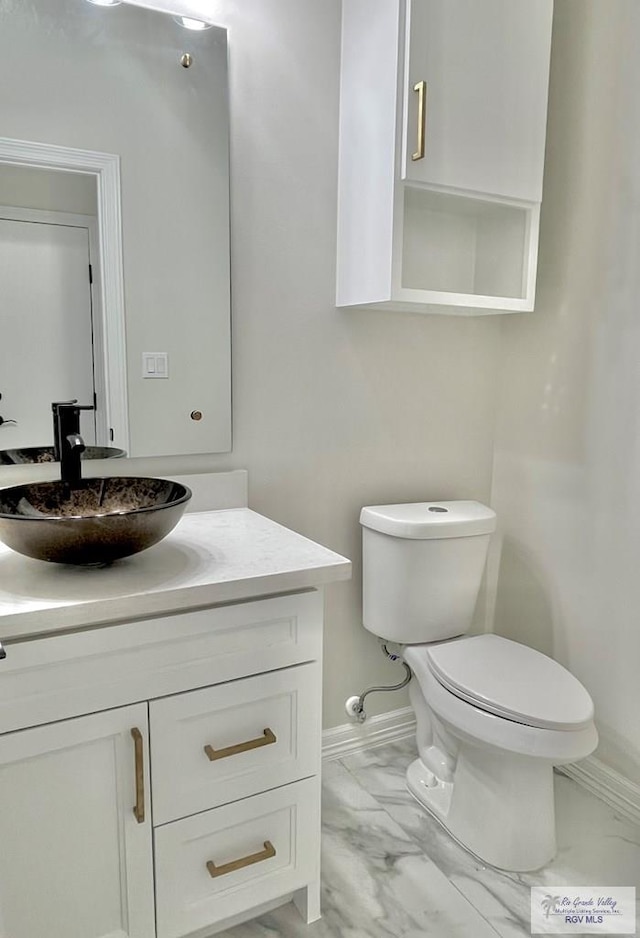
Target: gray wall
column 333, row 409
column 567, row 465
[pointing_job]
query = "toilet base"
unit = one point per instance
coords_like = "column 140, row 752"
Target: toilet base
column 499, row 806
column 433, row 798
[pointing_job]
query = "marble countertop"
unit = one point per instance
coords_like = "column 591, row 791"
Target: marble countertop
column 211, row 557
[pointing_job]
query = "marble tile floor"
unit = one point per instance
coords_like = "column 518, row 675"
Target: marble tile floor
column 390, row 871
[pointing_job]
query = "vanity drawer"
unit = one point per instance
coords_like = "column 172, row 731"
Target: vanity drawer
column 55, row 678
column 216, row 745
column 215, row 865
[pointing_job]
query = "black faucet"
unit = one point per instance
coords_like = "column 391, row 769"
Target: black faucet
column 67, row 442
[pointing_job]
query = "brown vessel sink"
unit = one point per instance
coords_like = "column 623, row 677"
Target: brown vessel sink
column 46, row 454
column 98, row 521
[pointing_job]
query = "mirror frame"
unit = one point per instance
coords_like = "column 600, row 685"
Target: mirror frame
column 106, row 169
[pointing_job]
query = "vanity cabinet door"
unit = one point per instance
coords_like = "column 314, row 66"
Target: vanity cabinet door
column 75, row 860
column 481, row 68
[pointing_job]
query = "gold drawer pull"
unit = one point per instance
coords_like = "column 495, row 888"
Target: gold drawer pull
column 265, row 740
column 421, row 89
column 266, row 854
column 139, row 755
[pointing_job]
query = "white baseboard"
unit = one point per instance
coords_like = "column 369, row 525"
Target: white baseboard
column 340, row 741
column 616, row 790
column 610, row 786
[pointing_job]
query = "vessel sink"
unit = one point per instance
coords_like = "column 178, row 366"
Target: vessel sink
column 96, row 522
column 45, row 454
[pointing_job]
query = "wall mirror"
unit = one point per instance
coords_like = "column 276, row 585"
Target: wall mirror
column 114, row 226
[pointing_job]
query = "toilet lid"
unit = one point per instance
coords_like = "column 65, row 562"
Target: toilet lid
column 511, row 681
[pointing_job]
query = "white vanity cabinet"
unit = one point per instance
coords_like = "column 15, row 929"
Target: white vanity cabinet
column 160, row 733
column 442, row 135
column 224, row 705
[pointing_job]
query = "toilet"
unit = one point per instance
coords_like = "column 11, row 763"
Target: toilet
column 493, row 717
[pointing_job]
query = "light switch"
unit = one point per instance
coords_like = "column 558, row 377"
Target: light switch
column 155, row 365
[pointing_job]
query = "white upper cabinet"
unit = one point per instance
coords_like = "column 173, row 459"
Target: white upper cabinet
column 443, row 109
column 485, row 66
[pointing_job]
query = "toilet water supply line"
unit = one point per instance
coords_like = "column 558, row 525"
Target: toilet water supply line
column 355, row 705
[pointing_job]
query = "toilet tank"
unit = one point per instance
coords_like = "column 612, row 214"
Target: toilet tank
column 422, row 568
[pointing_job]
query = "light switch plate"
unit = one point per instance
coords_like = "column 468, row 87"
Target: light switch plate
column 155, row 365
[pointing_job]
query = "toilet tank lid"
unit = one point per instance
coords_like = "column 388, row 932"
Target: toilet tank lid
column 430, row 519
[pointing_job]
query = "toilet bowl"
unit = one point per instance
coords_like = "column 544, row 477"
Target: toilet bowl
column 493, row 717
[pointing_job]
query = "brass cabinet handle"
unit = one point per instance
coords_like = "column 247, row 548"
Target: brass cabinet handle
column 138, row 810
column 266, row 854
column 266, row 739
column 421, row 88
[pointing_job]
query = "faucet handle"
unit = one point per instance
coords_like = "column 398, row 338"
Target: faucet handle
column 56, row 405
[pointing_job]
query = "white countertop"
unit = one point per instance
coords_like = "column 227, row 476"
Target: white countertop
column 211, row 557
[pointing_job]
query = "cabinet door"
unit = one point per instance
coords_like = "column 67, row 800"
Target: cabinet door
column 74, row 860
column 486, row 68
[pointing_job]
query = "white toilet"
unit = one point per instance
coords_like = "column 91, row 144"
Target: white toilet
column 493, row 716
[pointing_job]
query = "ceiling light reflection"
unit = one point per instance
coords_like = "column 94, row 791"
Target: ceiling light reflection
column 190, row 23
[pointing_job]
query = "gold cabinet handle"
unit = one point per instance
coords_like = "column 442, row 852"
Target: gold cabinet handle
column 421, row 88
column 266, row 854
column 138, row 810
column 266, row 739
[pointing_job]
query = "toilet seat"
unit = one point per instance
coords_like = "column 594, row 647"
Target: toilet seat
column 511, row 681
